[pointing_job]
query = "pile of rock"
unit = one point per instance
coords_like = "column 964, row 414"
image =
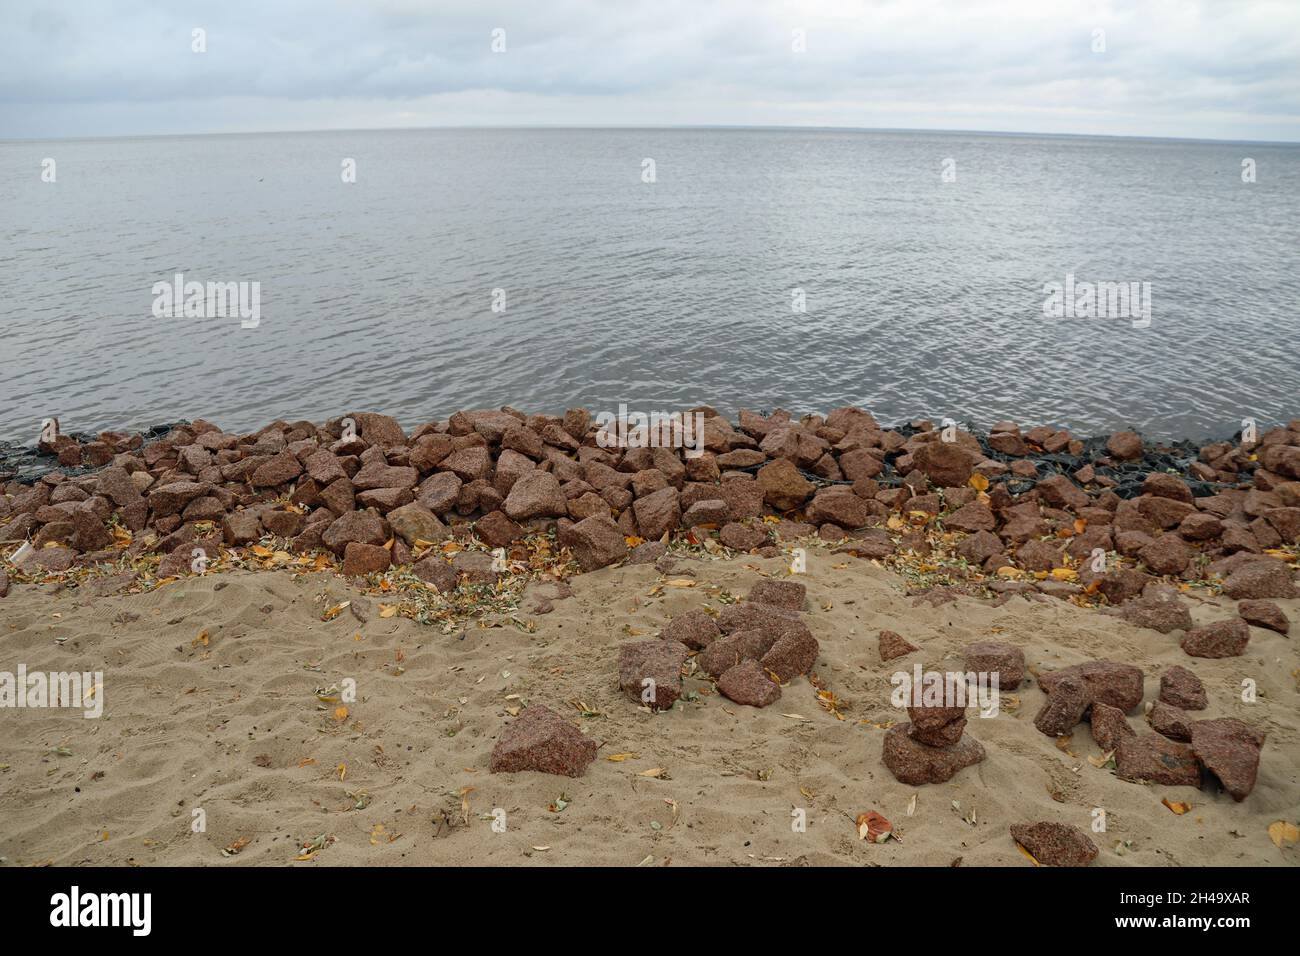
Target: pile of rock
column 1103, row 692
column 753, row 648
column 932, row 747
column 358, row 482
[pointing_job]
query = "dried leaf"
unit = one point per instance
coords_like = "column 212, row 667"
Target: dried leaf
column 1281, row 832
column 874, row 827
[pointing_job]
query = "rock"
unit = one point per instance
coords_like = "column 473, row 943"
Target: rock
column 990, row 657
column 712, row 511
column 1064, row 707
column 169, row 499
column 741, row 537
column 894, row 645
column 1256, row 580
column 946, row 464
column 4, row 583
column 1167, row 554
column 650, row 672
column 540, row 739
column 1055, row 844
column 115, row 484
column 1229, row 749
column 1125, row 446
column 783, row 486
column 1219, row 639
column 1170, row 722
column 787, row 594
column 1157, row 612
column 1119, row 685
column 1109, row 726
column 1060, row 492
column 535, row 494
column 1200, row 526
column 839, row 506
column 728, row 651
column 364, row 527
column 971, row 518
column 1164, row 485
column 747, row 616
column 1180, row 688
column 1150, row 757
column 747, row 683
column 695, row 629
column 658, row 513
column 1264, row 614
column 439, row 492
column 937, row 726
column 414, row 522
column 475, row 567
column 433, row 569
column 241, row 527
column 596, row 542
column 495, row 529
column 278, row 470
column 794, row 653
column 914, row 763
column 362, row 559
column 648, row 552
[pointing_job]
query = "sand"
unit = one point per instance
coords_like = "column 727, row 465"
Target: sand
column 234, row 729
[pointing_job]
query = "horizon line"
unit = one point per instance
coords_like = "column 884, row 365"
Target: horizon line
column 674, row 127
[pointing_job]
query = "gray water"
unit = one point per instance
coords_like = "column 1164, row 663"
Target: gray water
column 924, row 298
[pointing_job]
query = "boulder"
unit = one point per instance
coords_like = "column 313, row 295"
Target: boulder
column 1229, row 749
column 1254, row 580
column 1156, row 759
column 1119, row 685
column 914, row 763
column 1220, row 639
column 539, row 739
column 786, row 594
column 650, row 672
column 695, row 629
column 1065, row 706
column 894, row 645
column 596, row 542
column 535, row 494
column 1055, row 844
column 414, row 522
column 1180, row 688
column 793, row 653
column 1109, row 726
column 990, row 657
column 1264, row 614
column 748, row 683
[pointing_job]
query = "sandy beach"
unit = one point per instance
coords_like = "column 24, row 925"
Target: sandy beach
column 210, row 702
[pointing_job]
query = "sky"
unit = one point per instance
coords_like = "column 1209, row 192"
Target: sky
column 1213, row 69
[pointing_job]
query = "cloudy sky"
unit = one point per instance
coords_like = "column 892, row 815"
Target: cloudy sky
column 1222, row 69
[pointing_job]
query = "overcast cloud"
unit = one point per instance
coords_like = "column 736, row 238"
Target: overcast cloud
column 1223, row 69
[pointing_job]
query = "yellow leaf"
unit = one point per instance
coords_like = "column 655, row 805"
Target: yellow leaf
column 653, row 772
column 1028, row 854
column 1178, row 808
column 619, row 758
column 260, row 551
column 335, row 611
column 681, row 583
column 342, row 770
column 1065, row 574
column 978, row 482
column 340, row 712
column 1282, row 832
column 632, row 540
column 387, row 610
column 1006, row 571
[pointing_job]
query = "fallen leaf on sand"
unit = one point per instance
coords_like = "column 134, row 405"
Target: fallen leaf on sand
column 1282, row 832
column 874, row 827
column 1178, row 808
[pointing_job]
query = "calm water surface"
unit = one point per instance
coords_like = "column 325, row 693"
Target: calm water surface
column 923, row 297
